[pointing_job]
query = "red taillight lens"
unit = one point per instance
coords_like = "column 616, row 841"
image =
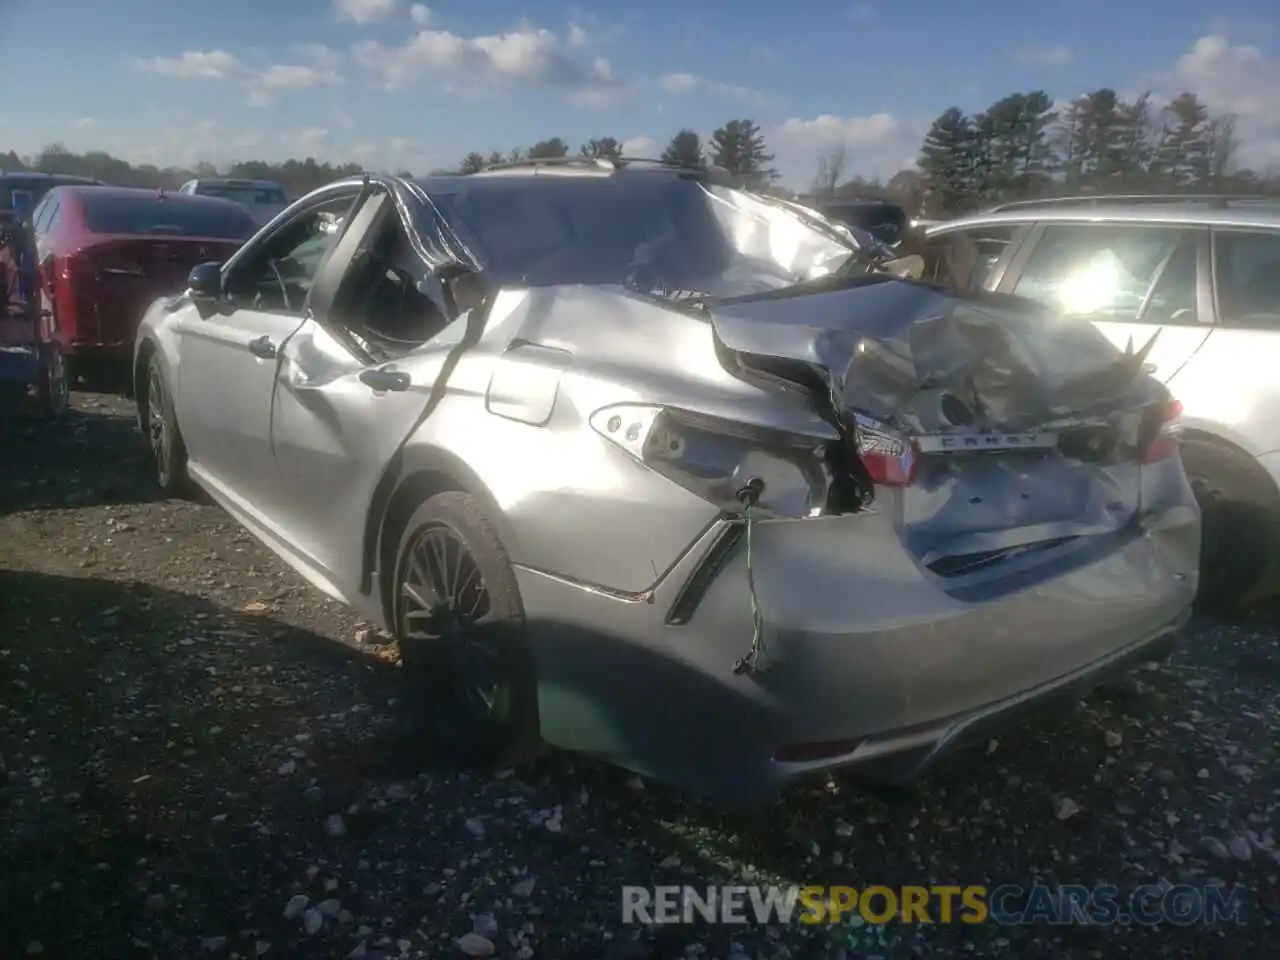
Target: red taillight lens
column 890, row 460
column 1165, row 443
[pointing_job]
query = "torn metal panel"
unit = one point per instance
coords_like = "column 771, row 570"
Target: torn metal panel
column 927, row 361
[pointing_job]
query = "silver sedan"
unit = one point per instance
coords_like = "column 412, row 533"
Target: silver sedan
column 637, row 464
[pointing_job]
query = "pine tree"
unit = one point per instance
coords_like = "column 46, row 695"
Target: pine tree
column 685, row 149
column 739, row 148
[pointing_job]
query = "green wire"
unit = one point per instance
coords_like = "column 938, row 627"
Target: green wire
column 751, row 661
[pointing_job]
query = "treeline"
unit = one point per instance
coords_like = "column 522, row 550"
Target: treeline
column 296, row 176
column 1022, row 146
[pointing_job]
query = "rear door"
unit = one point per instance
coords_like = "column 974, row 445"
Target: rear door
column 1133, row 281
column 1232, row 382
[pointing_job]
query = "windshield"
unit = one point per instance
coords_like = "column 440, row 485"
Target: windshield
column 655, row 233
column 247, row 196
column 108, row 213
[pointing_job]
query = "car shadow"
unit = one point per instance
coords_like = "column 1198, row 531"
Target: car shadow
column 51, row 465
column 133, row 714
column 149, row 735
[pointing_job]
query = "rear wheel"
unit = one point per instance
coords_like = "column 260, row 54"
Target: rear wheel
column 167, row 448
column 460, row 622
column 1240, row 518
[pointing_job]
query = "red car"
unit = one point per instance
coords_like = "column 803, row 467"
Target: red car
column 105, row 253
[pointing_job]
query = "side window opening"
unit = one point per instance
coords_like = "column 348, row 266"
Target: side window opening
column 1247, row 271
column 1100, row 272
column 967, row 259
column 278, row 278
column 1172, row 299
column 379, row 301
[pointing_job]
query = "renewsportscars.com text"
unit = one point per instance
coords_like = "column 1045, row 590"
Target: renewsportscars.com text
column 1006, row 905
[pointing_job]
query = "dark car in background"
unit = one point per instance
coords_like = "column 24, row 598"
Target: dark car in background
column 26, row 188
column 104, row 253
column 887, row 222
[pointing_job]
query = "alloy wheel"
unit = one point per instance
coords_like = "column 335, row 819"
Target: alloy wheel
column 446, row 610
column 157, row 427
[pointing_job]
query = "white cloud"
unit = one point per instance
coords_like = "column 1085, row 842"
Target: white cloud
column 293, row 76
column 641, row 146
column 527, row 55
column 85, row 123
column 1238, row 81
column 1033, row 55
column 365, row 11
column 263, row 84
column 311, row 138
column 879, row 145
column 577, row 36
column 192, row 65
column 420, row 14
column 682, row 84
column 319, row 55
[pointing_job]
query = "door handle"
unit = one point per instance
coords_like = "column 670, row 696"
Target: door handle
column 380, row 380
column 262, row 347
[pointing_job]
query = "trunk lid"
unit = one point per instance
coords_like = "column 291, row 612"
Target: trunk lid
column 986, row 428
column 129, row 272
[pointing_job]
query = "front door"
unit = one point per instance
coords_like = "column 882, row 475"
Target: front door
column 1134, row 282
column 342, row 408
column 230, row 353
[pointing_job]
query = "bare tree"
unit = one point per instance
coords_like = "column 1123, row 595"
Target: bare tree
column 1223, row 147
column 831, row 166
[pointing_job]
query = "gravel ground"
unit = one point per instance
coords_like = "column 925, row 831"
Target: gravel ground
column 201, row 756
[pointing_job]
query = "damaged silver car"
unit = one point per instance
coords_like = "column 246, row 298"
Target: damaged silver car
column 637, row 464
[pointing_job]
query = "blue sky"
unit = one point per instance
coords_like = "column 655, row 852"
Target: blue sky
column 392, row 84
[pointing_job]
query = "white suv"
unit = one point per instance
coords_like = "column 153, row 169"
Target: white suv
column 1204, row 274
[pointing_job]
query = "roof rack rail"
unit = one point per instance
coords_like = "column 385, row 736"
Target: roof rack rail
column 600, row 163
column 1219, row 200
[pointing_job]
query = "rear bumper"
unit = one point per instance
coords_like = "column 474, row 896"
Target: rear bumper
column 864, row 652
column 904, row 755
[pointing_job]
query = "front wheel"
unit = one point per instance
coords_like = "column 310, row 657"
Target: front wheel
column 167, row 448
column 460, row 623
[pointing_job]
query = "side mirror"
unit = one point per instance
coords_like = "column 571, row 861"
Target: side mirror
column 205, row 281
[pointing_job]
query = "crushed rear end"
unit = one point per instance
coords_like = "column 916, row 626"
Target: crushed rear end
column 999, row 514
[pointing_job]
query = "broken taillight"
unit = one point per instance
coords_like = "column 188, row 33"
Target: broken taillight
column 1165, row 442
column 720, row 460
column 890, row 459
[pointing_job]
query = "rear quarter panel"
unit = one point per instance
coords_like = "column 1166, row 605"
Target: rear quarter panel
column 576, row 504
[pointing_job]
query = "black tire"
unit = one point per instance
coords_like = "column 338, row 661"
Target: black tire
column 441, row 676
column 1240, row 520
column 165, row 439
column 54, row 388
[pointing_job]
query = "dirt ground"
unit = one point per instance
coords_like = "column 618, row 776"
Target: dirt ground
column 199, row 757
